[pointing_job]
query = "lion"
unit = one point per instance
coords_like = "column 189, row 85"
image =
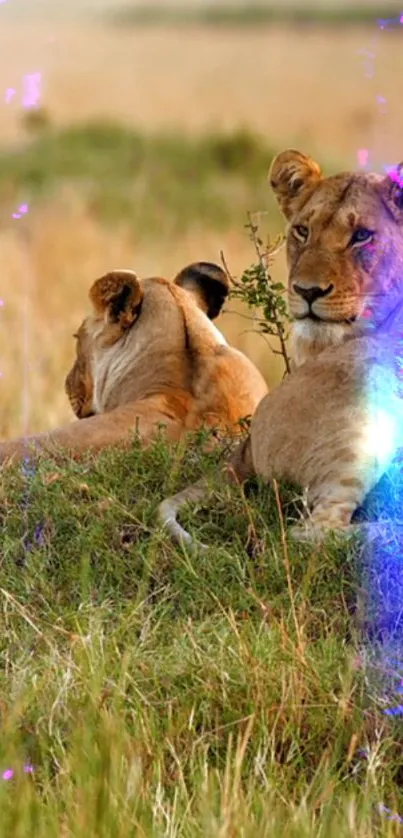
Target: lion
column 149, row 356
column 332, row 426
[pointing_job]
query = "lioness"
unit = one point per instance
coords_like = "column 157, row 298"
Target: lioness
column 149, row 355
column 335, row 423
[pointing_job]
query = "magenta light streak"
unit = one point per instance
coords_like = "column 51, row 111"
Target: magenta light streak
column 368, row 61
column 390, row 816
column 9, row 773
column 10, row 93
column 22, row 210
column 395, row 174
column 381, row 102
column 31, row 83
column 362, row 156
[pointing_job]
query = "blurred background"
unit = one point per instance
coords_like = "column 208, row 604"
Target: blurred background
column 140, row 135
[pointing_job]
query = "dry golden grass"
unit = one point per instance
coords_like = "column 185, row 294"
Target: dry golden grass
column 300, row 88
column 304, row 86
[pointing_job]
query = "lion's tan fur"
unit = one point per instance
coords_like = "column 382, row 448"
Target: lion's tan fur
column 148, row 356
column 335, row 423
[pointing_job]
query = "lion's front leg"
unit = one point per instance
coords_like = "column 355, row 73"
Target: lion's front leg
column 333, row 505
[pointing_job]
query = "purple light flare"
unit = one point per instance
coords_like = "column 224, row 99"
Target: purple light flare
column 368, row 62
column 390, row 816
column 388, row 22
column 362, row 157
column 22, row 210
column 394, row 711
column 9, row 95
column 395, row 173
column 31, row 93
column 9, row 773
column 382, row 104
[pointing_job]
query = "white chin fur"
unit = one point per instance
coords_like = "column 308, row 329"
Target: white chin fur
column 309, row 337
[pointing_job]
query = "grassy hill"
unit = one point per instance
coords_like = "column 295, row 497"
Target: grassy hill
column 159, row 694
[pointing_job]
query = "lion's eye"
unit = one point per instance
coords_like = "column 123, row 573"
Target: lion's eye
column 301, row 232
column 362, row 236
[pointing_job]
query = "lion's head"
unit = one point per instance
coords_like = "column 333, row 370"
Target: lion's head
column 133, row 343
column 344, row 246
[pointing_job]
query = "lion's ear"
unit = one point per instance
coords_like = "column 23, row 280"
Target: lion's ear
column 392, row 188
column 292, row 176
column 208, row 283
column 117, row 297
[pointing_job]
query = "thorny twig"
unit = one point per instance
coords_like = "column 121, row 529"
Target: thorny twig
column 257, row 289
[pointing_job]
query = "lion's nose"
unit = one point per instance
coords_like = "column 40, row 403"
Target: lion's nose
column 313, row 293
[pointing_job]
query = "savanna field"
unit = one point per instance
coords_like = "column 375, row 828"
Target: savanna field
column 145, row 691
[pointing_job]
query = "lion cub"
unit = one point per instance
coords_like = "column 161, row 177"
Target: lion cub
column 149, row 355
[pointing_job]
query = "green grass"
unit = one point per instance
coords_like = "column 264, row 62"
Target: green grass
column 155, row 693
column 159, row 694
column 255, row 14
column 151, row 179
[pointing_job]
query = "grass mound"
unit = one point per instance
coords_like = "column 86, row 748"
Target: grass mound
column 211, row 180
column 245, row 15
column 161, row 694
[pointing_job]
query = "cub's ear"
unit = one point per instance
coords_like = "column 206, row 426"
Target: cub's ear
column 117, row 297
column 208, row 283
column 292, row 176
column 392, row 190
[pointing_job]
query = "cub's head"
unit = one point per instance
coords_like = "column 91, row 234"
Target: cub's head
column 130, row 319
column 344, row 246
